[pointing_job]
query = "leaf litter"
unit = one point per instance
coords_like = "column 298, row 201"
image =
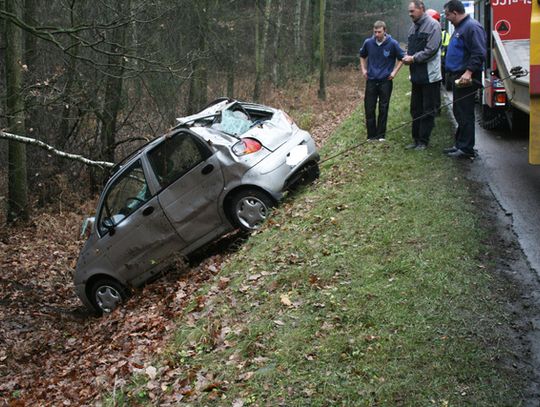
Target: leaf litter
column 53, row 352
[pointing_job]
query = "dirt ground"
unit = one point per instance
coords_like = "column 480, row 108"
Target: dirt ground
column 519, row 288
column 52, row 352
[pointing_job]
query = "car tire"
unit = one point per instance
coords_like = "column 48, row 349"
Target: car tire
column 106, row 294
column 249, row 208
column 492, row 119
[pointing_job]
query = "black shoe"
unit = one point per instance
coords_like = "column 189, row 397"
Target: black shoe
column 411, row 146
column 420, row 147
column 450, row 150
column 460, row 154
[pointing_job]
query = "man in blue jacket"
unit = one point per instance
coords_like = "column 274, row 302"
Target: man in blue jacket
column 380, row 59
column 464, row 61
column 424, row 60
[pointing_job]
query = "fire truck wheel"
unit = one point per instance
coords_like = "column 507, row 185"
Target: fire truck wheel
column 493, row 119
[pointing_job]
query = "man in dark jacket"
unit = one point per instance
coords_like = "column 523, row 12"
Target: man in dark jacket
column 424, row 59
column 380, row 58
column 464, row 62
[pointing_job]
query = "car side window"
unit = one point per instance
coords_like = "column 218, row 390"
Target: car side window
column 127, row 194
column 175, row 156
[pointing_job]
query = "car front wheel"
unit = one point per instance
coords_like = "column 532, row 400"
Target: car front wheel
column 106, row 294
column 249, row 208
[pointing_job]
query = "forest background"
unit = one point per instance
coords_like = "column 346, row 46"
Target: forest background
column 100, row 78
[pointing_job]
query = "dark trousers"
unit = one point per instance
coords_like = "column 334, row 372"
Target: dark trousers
column 423, row 110
column 463, row 108
column 381, row 91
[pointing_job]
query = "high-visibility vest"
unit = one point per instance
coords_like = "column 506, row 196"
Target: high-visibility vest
column 445, row 41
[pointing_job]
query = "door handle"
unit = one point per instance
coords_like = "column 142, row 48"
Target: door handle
column 208, row 169
column 148, row 210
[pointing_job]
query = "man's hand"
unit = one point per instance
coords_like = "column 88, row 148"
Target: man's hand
column 408, row 59
column 392, row 75
column 465, row 79
column 364, row 73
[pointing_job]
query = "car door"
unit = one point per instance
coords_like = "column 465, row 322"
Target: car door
column 191, row 179
column 135, row 232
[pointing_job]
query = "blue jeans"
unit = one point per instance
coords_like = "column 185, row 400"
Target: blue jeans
column 381, row 91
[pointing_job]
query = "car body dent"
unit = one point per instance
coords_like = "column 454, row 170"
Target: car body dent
column 191, row 202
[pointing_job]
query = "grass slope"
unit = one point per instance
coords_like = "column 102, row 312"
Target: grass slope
column 367, row 288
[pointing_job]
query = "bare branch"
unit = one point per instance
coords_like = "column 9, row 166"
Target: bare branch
column 51, row 149
column 53, row 35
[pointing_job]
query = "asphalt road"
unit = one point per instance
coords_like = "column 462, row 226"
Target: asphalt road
column 503, row 164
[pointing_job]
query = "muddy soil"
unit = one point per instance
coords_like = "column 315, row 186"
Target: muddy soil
column 518, row 285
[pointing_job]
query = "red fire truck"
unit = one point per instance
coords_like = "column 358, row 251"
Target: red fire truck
column 505, row 99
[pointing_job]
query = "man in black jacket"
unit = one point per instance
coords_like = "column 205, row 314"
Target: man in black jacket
column 424, row 60
column 465, row 58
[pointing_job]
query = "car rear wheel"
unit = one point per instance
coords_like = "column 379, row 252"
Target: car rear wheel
column 106, row 294
column 249, row 208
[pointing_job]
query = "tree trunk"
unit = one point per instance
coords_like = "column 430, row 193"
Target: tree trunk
column 260, row 50
column 315, row 34
column 322, row 80
column 30, row 40
column 17, row 178
column 297, row 28
column 67, row 120
column 333, row 47
column 231, row 55
column 256, row 89
column 275, row 62
column 305, row 36
column 198, row 93
column 113, row 89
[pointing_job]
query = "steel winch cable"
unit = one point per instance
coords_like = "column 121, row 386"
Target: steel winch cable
column 516, row 72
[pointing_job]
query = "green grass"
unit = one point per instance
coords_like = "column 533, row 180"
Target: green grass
column 367, row 289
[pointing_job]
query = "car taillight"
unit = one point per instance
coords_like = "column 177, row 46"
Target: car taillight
column 500, row 98
column 246, row 146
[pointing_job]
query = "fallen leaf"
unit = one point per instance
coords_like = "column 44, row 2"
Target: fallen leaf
column 285, row 300
column 151, row 371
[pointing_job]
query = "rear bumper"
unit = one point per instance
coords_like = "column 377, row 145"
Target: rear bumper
column 285, row 165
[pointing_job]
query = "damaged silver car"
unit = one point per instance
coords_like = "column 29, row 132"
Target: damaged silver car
column 218, row 170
